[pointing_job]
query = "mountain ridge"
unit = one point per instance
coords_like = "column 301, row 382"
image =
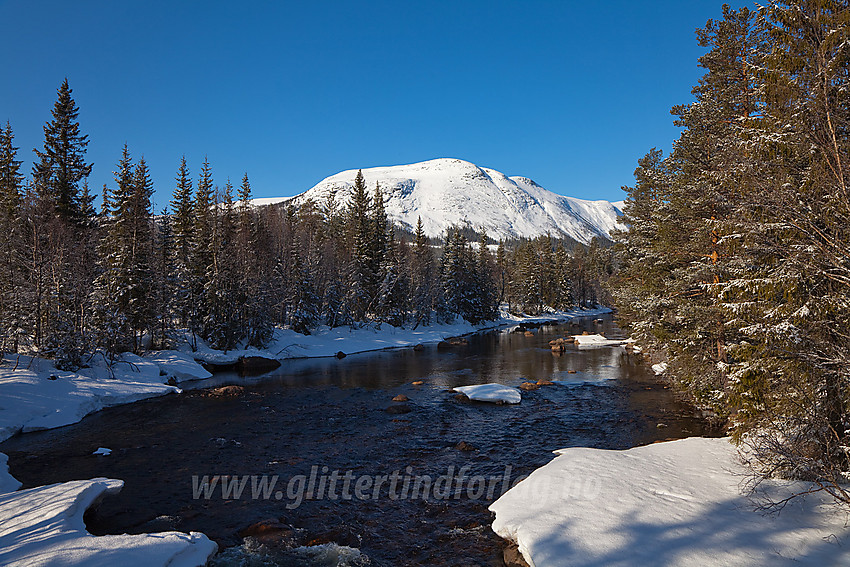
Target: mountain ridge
column 450, row 191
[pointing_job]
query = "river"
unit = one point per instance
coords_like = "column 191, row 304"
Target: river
column 317, row 413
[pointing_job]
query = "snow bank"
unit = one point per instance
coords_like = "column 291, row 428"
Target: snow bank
column 659, row 368
column 178, row 365
column 44, row 526
column 32, row 400
column 326, row 341
column 491, row 393
column 676, row 503
column 8, row 483
column 596, row 341
column 36, row 395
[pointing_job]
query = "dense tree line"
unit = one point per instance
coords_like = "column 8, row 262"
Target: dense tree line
column 736, row 264
column 126, row 277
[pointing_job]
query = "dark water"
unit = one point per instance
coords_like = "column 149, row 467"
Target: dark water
column 331, row 413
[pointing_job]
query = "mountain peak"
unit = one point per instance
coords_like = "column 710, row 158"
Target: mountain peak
column 450, row 191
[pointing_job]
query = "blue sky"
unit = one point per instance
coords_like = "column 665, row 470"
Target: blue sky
column 567, row 93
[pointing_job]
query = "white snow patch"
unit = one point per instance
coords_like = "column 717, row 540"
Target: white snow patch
column 178, row 365
column 44, row 526
column 596, row 341
column 676, row 503
column 8, row 483
column 263, row 201
column 491, row 393
column 103, row 451
column 659, row 368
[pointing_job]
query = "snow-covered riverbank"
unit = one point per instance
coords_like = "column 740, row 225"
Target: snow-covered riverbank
column 44, row 526
column 676, row 503
column 326, row 341
column 34, row 395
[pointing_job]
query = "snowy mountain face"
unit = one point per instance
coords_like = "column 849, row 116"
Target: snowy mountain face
column 446, row 192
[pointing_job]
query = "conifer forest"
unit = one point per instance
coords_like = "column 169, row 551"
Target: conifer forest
column 122, row 277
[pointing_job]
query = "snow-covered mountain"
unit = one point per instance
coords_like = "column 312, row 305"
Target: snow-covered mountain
column 445, row 192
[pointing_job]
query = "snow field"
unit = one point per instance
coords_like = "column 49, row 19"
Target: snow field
column 677, row 503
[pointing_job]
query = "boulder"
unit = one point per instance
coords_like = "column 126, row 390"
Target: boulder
column 452, row 342
column 256, row 364
column 227, row 391
column 401, row 398
column 512, row 556
column 528, row 386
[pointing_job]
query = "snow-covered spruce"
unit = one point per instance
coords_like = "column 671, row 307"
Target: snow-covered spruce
column 677, row 503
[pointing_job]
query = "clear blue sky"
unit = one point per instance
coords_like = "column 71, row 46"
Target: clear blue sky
column 567, row 93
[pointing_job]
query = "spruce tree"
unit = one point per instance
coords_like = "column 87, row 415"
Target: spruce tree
column 483, row 282
column 11, row 245
column 393, row 292
column 61, row 164
column 422, row 277
column 184, row 231
column 221, row 293
column 362, row 276
column 244, row 204
column 502, row 274
column 201, row 246
column 165, row 281
column 126, row 282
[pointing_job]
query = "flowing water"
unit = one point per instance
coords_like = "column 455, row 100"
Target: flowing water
column 312, row 414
